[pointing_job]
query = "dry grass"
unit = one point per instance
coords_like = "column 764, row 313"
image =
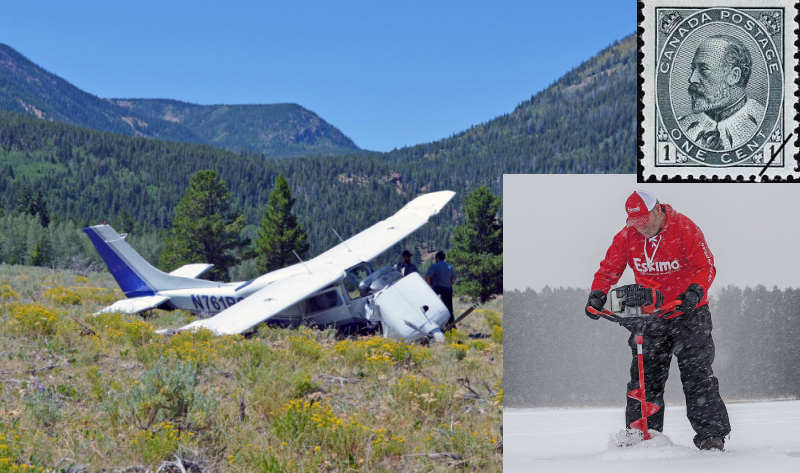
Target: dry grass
column 107, row 393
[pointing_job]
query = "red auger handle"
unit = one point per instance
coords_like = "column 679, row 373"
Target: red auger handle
column 666, row 310
column 597, row 312
column 606, row 314
column 672, row 304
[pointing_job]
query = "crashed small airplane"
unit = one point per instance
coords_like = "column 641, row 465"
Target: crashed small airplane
column 336, row 289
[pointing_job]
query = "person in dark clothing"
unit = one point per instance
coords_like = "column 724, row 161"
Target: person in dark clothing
column 664, row 246
column 405, row 266
column 441, row 276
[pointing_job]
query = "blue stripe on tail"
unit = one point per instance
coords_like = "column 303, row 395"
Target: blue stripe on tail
column 130, row 282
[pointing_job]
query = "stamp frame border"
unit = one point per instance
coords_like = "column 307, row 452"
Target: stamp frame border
column 647, row 172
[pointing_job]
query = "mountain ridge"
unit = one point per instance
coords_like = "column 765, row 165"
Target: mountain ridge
column 548, row 133
column 277, row 130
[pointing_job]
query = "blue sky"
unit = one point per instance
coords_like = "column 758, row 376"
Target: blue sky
column 388, row 74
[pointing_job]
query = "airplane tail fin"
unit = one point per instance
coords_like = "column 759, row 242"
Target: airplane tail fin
column 135, row 276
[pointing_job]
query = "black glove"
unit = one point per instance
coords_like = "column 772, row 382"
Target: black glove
column 690, row 299
column 597, row 299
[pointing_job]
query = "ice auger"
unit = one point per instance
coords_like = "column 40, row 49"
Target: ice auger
column 628, row 303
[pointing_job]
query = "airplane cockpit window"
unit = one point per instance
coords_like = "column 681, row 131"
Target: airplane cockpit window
column 353, row 278
column 321, row 302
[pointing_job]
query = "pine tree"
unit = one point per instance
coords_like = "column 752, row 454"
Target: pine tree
column 204, row 230
column 40, row 209
column 125, row 221
column 24, row 203
column 37, row 257
column 279, row 232
column 476, row 249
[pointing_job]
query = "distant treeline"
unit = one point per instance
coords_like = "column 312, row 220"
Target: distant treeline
column 88, row 177
column 556, row 356
column 60, row 245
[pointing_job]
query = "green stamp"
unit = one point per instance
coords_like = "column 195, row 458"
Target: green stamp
column 718, row 89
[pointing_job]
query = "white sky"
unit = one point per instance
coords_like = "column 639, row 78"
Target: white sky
column 557, row 228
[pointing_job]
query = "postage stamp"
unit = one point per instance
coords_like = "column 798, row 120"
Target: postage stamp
column 717, row 90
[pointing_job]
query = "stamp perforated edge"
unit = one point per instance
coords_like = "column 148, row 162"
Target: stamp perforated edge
column 646, row 172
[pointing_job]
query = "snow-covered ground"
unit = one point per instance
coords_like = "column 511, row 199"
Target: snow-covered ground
column 765, row 438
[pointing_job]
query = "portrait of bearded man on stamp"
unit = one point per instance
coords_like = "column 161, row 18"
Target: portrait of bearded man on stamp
column 723, row 116
column 717, row 90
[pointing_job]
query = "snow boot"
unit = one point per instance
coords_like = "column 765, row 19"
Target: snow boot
column 713, row 443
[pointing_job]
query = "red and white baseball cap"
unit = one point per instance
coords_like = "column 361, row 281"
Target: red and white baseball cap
column 638, row 206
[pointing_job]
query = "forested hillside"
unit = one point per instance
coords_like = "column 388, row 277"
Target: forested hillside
column 583, row 123
column 277, row 130
column 558, row 357
column 90, row 177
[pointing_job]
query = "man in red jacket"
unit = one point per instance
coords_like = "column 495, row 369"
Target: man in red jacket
column 664, row 246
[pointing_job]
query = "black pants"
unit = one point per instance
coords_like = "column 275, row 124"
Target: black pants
column 446, row 295
column 689, row 338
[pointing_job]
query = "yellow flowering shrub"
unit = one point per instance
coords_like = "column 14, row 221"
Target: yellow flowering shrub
column 138, row 332
column 421, row 393
column 158, row 443
column 314, row 423
column 62, row 296
column 458, row 350
column 11, row 447
column 6, row 293
column 302, row 346
column 33, row 319
column 477, row 345
column 96, row 381
column 108, row 320
column 98, row 347
column 9, row 450
column 122, row 328
column 381, row 352
column 385, row 443
column 455, row 336
column 497, row 334
column 98, row 295
column 493, row 319
column 201, row 347
column 498, row 397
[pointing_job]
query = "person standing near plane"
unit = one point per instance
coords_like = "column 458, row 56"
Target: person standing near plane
column 406, row 267
column 441, row 276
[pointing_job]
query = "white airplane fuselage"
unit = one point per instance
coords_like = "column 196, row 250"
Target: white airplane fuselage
column 334, row 305
column 337, row 288
column 406, row 307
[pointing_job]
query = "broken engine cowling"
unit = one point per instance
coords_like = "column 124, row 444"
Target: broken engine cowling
column 408, row 308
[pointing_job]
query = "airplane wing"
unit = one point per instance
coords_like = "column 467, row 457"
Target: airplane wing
column 193, row 271
column 266, row 302
column 326, row 268
column 134, row 305
column 380, row 237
